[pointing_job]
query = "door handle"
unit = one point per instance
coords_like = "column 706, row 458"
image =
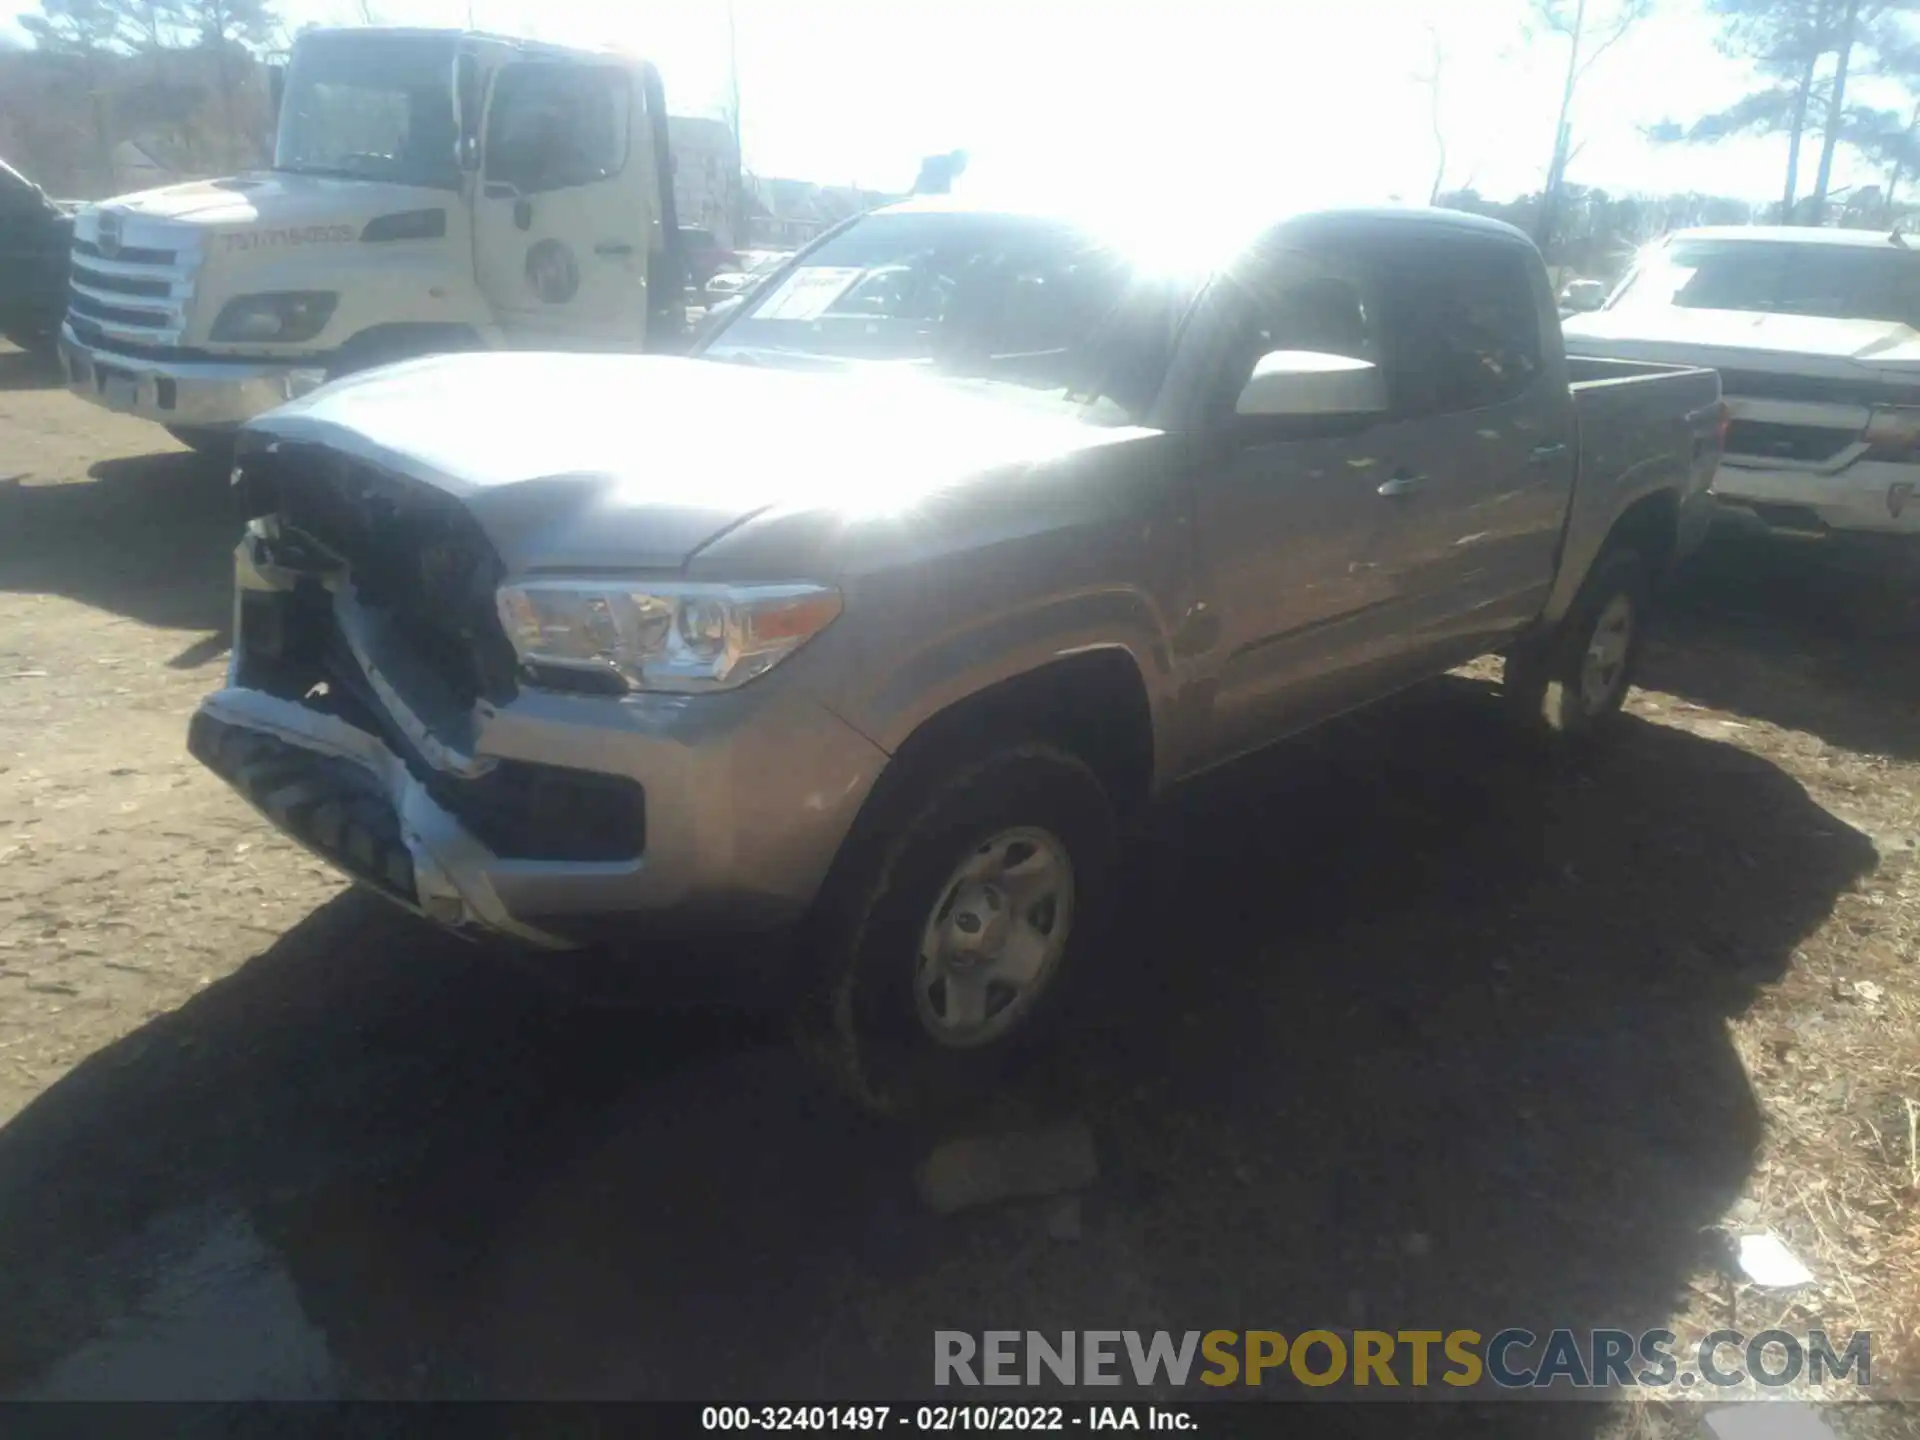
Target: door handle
column 1543, row 453
column 613, row 249
column 1402, row 484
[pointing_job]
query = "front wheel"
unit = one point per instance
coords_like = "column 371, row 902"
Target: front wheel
column 1574, row 681
column 946, row 949
column 40, row 342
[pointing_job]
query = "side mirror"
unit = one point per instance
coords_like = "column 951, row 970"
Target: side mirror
column 1309, row 382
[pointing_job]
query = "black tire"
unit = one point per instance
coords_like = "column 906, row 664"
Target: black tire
column 40, row 342
column 862, row 1021
column 1548, row 682
column 216, row 445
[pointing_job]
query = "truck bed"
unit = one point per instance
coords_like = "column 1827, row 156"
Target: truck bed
column 1585, row 372
column 1639, row 428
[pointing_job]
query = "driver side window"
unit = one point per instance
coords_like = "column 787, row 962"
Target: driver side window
column 551, row 127
column 1298, row 300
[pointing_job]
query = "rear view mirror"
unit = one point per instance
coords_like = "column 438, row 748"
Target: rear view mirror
column 1308, row 382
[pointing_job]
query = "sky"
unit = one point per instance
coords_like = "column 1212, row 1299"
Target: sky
column 1197, row 102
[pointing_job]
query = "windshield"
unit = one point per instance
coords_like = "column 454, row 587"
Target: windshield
column 1840, row 282
column 994, row 298
column 373, row 107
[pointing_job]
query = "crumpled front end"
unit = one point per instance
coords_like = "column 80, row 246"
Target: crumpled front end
column 348, row 798
column 375, row 713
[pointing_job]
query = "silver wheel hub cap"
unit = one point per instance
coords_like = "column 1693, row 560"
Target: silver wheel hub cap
column 1604, row 669
column 994, row 938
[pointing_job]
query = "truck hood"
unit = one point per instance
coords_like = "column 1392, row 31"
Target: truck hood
column 626, row 462
column 272, row 198
column 1748, row 339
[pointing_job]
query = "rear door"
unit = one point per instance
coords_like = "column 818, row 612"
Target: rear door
column 565, row 214
column 1481, row 520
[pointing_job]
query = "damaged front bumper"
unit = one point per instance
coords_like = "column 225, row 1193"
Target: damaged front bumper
column 345, row 796
column 544, row 818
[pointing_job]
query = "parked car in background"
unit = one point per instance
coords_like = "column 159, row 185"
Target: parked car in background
column 35, row 235
column 884, row 618
column 1816, row 334
column 754, row 266
column 1580, row 296
column 705, row 256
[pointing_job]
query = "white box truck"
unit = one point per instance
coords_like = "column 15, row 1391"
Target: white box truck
column 431, row 190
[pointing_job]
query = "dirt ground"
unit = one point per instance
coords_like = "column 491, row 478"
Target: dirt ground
column 1410, row 1028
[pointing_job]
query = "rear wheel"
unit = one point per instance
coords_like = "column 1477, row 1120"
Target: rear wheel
column 1574, row 681
column 944, row 951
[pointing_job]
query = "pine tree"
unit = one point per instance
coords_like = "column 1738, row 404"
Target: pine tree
column 1789, row 43
column 230, row 31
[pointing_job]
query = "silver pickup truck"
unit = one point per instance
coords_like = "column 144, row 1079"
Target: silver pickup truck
column 878, row 623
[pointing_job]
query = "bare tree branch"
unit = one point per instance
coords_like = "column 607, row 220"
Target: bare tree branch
column 1431, row 78
column 1630, row 13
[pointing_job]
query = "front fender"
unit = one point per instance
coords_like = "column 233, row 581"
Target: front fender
column 961, row 663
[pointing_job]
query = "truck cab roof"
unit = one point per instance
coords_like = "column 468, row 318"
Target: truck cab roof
column 515, row 42
column 1407, row 216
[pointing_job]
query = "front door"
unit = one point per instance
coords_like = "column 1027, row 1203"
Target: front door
column 1305, row 556
column 564, row 217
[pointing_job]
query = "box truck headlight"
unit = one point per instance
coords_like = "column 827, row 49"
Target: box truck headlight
column 285, row 317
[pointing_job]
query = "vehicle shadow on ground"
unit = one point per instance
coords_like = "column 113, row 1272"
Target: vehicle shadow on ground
column 22, row 371
column 151, row 537
column 1807, row 637
column 1406, row 1028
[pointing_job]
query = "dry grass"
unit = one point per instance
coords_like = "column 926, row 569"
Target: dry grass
column 1832, row 1050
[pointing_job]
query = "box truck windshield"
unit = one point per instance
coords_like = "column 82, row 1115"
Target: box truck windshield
column 371, row 107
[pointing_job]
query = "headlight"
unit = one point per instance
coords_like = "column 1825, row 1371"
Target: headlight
column 286, row 317
column 672, row 636
column 1893, row 432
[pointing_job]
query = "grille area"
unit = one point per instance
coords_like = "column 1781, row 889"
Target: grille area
column 416, row 559
column 119, row 284
column 414, row 554
column 83, row 304
column 135, row 298
column 126, row 254
column 519, row 810
column 1813, row 444
column 89, row 333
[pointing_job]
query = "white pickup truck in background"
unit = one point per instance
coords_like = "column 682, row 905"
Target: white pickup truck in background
column 1814, row 334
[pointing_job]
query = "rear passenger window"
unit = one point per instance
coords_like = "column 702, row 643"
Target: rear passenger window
column 1471, row 329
